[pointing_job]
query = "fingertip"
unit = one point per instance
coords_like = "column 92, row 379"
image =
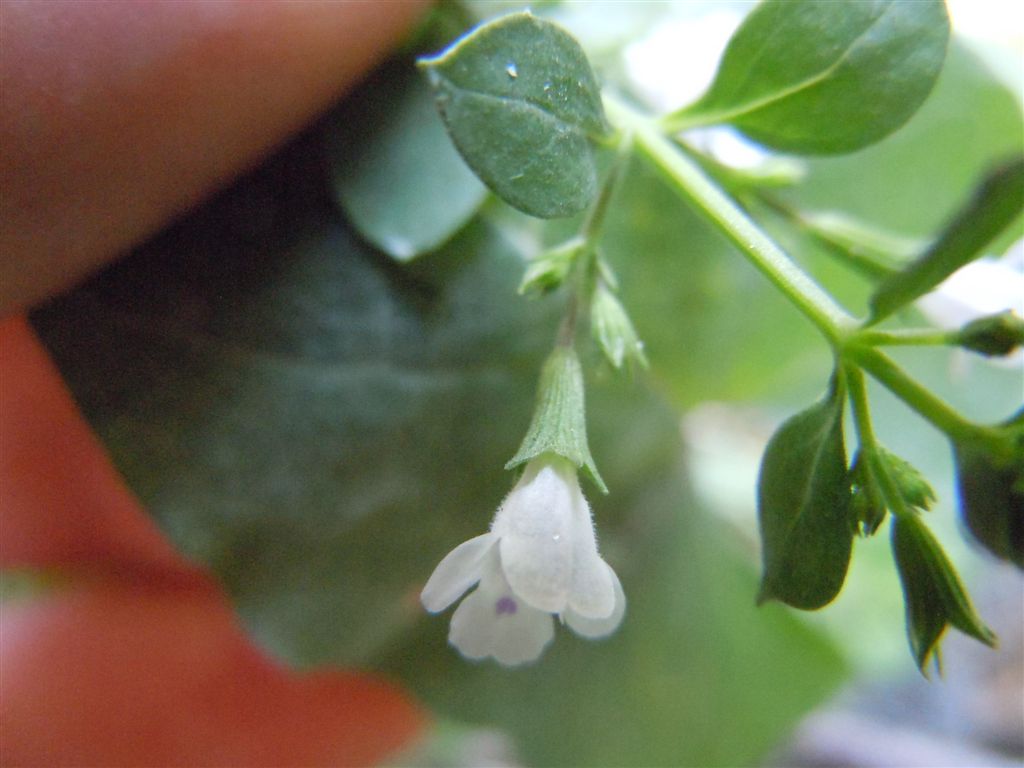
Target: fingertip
column 119, row 116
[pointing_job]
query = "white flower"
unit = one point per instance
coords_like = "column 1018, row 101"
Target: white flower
column 539, row 560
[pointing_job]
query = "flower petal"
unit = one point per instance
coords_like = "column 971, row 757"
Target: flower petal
column 493, row 622
column 591, row 590
column 594, row 628
column 458, row 571
column 534, row 524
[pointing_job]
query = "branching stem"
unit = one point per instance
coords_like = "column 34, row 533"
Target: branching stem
column 840, row 328
column 581, row 278
column 687, row 178
column 928, row 405
column 859, row 405
column 869, row 445
column 594, row 223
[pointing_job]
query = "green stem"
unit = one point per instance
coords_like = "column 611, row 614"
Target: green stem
column 567, row 328
column 687, row 178
column 868, row 259
column 859, row 405
column 869, row 445
column 582, row 277
column 893, row 378
column 595, row 218
column 676, row 123
column 910, row 337
column 773, row 173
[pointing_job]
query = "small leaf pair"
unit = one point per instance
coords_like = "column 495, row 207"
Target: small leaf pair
column 610, row 325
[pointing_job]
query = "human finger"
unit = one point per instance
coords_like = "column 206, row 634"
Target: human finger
column 120, row 115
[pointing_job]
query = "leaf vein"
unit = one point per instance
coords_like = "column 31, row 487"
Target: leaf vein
column 786, row 93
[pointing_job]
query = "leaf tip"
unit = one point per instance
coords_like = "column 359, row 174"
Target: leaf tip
column 595, row 477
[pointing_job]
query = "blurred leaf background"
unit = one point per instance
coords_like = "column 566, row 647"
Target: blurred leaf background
column 313, row 383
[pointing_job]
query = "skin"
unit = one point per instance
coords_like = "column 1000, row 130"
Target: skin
column 117, row 117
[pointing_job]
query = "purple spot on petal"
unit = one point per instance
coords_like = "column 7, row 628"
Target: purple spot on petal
column 505, row 605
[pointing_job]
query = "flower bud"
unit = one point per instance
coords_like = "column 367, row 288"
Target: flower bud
column 934, row 596
column 994, row 335
column 559, row 420
column 549, row 270
column 613, row 330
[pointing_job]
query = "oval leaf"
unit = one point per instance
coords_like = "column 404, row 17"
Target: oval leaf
column 521, row 102
column 996, row 203
column 803, row 499
column 971, row 120
column 394, row 172
column 992, row 494
column 816, row 77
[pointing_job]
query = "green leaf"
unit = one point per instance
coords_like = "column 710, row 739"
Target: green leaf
column 803, row 500
column 996, row 203
column 934, row 596
column 559, row 423
column 522, row 105
column 991, row 485
column 319, row 426
column 971, row 121
column 817, row 77
column 395, row 173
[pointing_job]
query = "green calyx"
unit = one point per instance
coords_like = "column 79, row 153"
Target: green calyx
column 559, row 418
column 934, row 596
column 613, row 330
